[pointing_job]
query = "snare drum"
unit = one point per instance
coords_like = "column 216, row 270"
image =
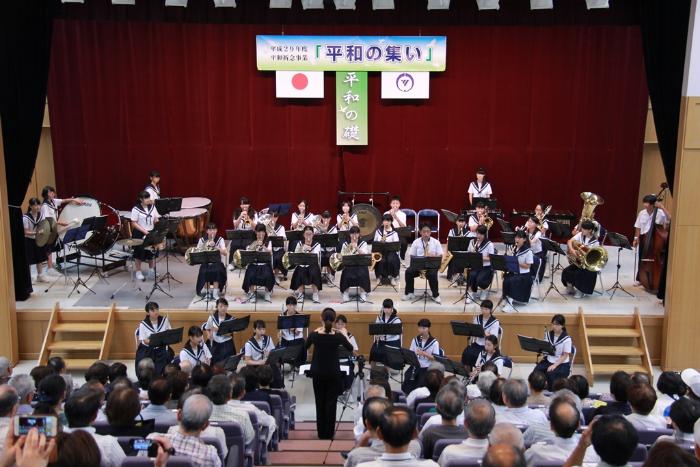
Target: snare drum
column 193, row 224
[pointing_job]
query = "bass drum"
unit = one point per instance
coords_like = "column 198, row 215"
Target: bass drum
column 75, row 214
column 369, row 219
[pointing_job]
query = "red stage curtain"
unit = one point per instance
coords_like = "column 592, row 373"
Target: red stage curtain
column 549, row 112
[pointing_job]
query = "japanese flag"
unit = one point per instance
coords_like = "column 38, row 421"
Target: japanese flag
column 405, row 85
column 305, row 84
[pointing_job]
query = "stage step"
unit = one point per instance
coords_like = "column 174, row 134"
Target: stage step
column 81, row 338
column 593, row 344
column 616, row 350
column 612, row 332
column 79, row 327
column 75, row 345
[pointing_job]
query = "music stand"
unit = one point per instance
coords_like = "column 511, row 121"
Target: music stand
column 505, row 263
column 451, row 366
column 425, row 263
column 550, row 245
column 386, row 249
column 277, row 241
column 255, row 257
column 557, row 229
column 293, row 322
column 467, row 261
column 327, row 241
column 71, row 239
column 457, row 245
column 169, row 337
column 506, row 226
column 382, row 329
column 360, row 261
column 234, row 325
column 538, row 346
column 205, row 257
column 303, row 259
column 622, row 243
column 171, row 225
column 403, row 355
column 294, row 237
column 461, row 328
column 165, row 206
column 232, row 362
column 282, row 354
column 508, row 240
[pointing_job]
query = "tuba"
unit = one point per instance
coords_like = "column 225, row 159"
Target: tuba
column 590, row 201
column 336, row 259
column 591, row 259
column 195, row 249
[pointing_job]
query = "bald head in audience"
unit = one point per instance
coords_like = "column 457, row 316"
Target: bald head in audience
column 503, row 455
column 505, row 433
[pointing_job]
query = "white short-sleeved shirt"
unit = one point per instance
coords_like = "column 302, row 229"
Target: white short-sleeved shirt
column 242, row 225
column 525, row 256
column 480, row 191
column 215, row 322
column 586, row 241
column 339, row 220
column 146, row 328
column 291, row 334
column 497, row 360
column 535, row 243
column 256, row 349
column 362, row 247
column 295, row 218
column 486, row 249
column 418, row 248
column 196, row 356
column 279, row 232
column 219, row 244
column 391, row 338
column 154, row 191
column 49, row 208
column 454, row 232
column 643, row 222
column 30, row 222
column 391, row 235
column 472, row 223
column 145, row 217
column 401, row 216
column 492, row 325
column 562, row 345
column 430, row 345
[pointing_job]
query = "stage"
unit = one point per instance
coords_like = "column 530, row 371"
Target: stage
column 129, row 297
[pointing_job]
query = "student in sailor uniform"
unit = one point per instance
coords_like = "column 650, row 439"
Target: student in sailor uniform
column 49, row 208
column 259, row 274
column 476, row 219
column 293, row 336
column 222, row 346
column 491, row 326
column 387, row 315
column 479, row 188
column 341, row 323
column 642, row 224
column 355, row 276
column 481, row 278
column 388, row 268
column 35, row 254
column 459, row 230
column 540, row 256
column 346, row 219
column 257, row 349
column 195, row 351
column 244, row 218
column 143, row 217
column 300, row 220
column 425, row 346
column 214, row 274
column 558, row 365
column 321, row 228
column 398, row 219
column 539, row 214
column 518, row 286
column 307, row 274
column 151, row 324
column 490, row 354
column 580, row 281
column 153, row 187
column 424, row 246
column 277, row 252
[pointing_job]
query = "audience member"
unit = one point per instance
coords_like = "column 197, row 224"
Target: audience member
column 219, row 389
column 5, row 370
column 252, row 385
column 194, row 418
column 76, row 449
column 81, row 411
column 642, row 399
column 671, row 386
column 50, row 396
column 123, row 406
column 666, row 454
column 486, row 380
column 691, row 378
column 496, row 395
column 98, row 371
column 542, row 432
column 564, row 419
column 619, row 384
column 159, row 395
column 210, row 431
column 8, row 408
column 505, row 433
column 684, row 413
column 40, row 372
column 200, row 376
column 613, row 438
column 517, row 412
column 237, row 394
column 479, row 420
column 397, row 427
column 24, row 385
column 373, row 390
column 537, row 381
column 427, row 393
column 503, row 455
column 178, row 385
column 145, row 371
column 450, row 404
column 580, row 387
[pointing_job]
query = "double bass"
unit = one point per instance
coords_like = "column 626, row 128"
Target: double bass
column 654, row 248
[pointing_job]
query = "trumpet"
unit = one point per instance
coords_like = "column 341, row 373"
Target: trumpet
column 487, row 221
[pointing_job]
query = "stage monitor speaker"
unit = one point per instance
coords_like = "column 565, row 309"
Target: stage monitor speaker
column 344, row 4
column 382, row 4
column 438, row 4
column 488, row 4
column 541, row 4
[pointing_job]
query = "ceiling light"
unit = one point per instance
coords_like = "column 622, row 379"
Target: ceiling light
column 597, row 4
column 382, row 4
column 541, row 4
column 225, row 3
column 438, row 4
column 487, row 4
column 312, row 4
column 344, row 4
column 280, row 3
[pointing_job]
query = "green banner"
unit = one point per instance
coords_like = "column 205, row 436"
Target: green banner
column 351, row 108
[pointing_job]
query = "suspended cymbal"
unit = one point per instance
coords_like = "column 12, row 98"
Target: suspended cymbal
column 451, row 216
column 130, row 242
